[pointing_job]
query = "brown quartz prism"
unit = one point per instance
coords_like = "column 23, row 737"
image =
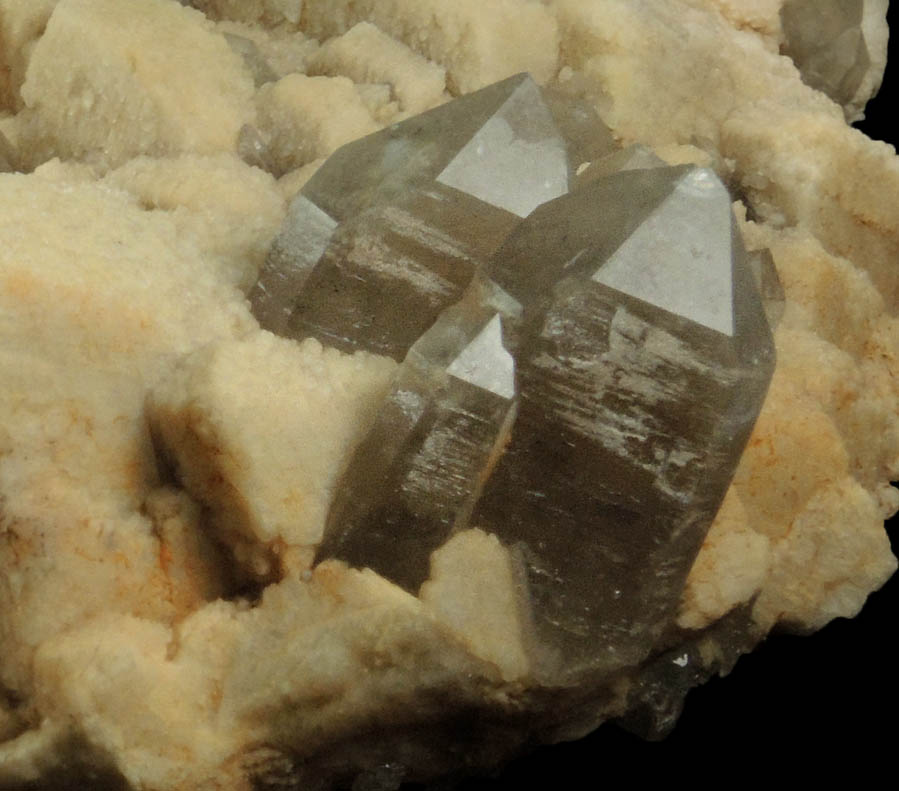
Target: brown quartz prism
column 390, row 230
column 643, row 358
column 417, row 475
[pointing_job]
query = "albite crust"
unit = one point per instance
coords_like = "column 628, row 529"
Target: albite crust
column 127, row 636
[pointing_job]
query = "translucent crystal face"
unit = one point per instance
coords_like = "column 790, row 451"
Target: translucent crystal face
column 580, row 369
column 417, row 476
column 825, row 39
column 686, row 273
column 392, row 227
column 486, row 363
column 517, row 159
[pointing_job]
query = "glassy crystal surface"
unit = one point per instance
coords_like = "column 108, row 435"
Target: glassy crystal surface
column 771, row 290
column 417, row 475
column 656, row 695
column 580, row 370
column 635, row 157
column 586, row 137
column 826, row 41
column 643, row 357
column 414, row 210
column 258, row 66
column 384, row 275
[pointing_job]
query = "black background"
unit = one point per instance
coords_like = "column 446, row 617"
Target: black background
column 801, row 704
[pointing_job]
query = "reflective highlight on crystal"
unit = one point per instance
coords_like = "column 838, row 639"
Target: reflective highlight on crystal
column 417, row 208
column 517, row 160
column 687, row 273
column 632, row 416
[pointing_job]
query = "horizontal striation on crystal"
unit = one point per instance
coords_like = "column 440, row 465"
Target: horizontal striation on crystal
column 390, row 230
column 416, row 476
column 643, row 358
column 386, row 274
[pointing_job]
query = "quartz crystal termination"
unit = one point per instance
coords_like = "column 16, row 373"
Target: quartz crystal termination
column 827, row 42
column 417, row 475
column 390, row 230
column 584, row 352
column 643, row 358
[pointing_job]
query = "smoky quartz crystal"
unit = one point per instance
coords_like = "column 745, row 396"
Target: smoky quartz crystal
column 826, row 40
column 584, row 350
column 391, row 229
column 643, row 356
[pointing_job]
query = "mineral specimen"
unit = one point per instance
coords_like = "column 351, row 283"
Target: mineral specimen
column 415, row 478
column 167, row 467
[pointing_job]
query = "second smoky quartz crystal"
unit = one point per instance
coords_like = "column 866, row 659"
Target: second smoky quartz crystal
column 643, row 357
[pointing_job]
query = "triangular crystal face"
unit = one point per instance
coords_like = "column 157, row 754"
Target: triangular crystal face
column 680, row 257
column 517, row 159
column 387, row 165
column 418, row 207
column 416, row 476
column 485, row 363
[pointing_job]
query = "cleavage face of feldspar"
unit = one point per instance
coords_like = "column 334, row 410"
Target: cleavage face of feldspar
column 395, row 224
column 583, row 390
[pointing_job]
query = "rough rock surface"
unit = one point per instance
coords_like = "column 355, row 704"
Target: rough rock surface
column 159, row 622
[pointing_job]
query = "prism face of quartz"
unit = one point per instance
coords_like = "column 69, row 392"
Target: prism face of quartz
column 385, row 275
column 492, row 144
column 826, row 41
column 579, row 381
column 771, row 290
column 418, row 473
column 390, row 230
column 636, row 401
column 305, row 235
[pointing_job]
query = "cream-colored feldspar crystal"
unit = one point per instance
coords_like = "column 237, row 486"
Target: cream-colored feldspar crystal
column 136, row 642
